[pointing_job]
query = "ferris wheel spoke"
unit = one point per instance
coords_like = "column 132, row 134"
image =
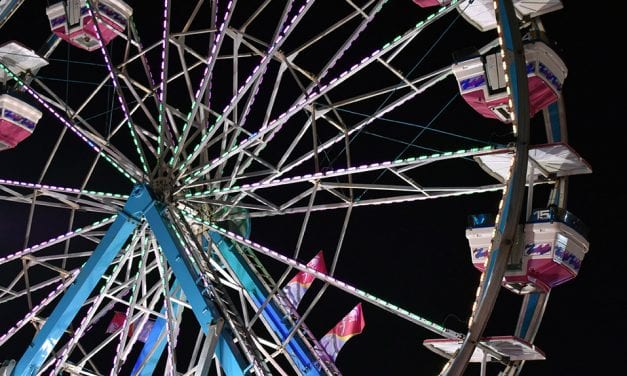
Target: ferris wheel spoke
column 113, row 75
column 345, row 202
column 74, row 116
column 430, row 78
column 36, row 309
column 61, row 238
column 83, row 127
column 297, row 249
column 171, row 325
column 438, row 77
column 61, row 197
column 11, row 294
column 139, row 241
column 274, row 126
column 290, row 206
column 117, row 287
column 399, row 166
column 319, row 89
column 162, row 92
column 251, row 83
column 318, row 296
column 247, row 157
column 282, row 31
column 326, row 278
column 205, row 81
column 163, row 126
column 90, row 133
column 333, row 60
column 366, row 19
column 259, row 71
column 272, row 286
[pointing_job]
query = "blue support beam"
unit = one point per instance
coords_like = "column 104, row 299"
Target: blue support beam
column 8, row 9
column 89, row 276
column 140, row 205
column 554, row 122
column 187, row 274
column 527, row 314
column 304, row 359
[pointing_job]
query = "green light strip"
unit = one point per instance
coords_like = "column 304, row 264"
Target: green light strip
column 364, row 168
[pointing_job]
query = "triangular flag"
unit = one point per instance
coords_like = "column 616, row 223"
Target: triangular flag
column 296, row 288
column 116, row 322
column 352, row 324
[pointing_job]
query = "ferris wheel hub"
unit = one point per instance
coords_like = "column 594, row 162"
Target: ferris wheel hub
column 164, row 186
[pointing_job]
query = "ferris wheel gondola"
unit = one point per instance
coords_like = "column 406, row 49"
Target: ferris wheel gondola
column 18, row 112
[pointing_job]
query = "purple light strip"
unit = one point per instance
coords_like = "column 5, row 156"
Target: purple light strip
column 56, row 240
column 151, row 79
column 54, row 188
column 352, row 39
column 116, row 86
column 33, row 312
column 163, row 74
column 398, row 311
column 204, row 82
column 164, row 35
column 257, row 72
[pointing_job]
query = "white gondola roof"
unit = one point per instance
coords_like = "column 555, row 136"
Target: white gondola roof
column 19, row 59
column 508, row 346
column 480, row 13
column 550, row 160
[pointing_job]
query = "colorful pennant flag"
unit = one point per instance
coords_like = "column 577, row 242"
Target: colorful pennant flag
column 296, row 288
column 351, row 325
column 118, row 320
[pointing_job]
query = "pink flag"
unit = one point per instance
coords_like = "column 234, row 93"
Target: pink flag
column 352, row 324
column 116, row 322
column 295, row 289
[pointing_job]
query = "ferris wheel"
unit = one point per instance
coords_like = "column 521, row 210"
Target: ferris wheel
column 208, row 187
